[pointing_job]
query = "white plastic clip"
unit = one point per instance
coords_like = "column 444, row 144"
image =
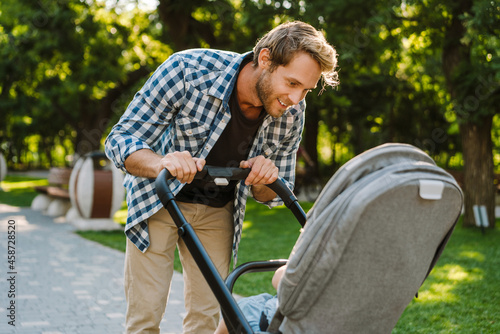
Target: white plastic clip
column 220, row 181
column 431, row 189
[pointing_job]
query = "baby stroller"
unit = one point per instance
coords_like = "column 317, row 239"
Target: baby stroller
column 372, row 237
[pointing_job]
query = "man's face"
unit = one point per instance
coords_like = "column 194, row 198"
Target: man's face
column 287, row 85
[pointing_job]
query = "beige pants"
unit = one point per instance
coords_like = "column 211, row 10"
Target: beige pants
column 148, row 275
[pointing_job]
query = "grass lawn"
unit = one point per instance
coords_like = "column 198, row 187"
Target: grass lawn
column 462, row 295
column 18, row 190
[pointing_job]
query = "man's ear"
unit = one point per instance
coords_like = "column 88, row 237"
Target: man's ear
column 265, row 58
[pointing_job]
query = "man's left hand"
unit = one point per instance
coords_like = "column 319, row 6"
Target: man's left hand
column 263, row 172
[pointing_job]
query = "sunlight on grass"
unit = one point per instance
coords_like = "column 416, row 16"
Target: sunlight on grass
column 440, row 292
column 472, row 255
column 19, row 191
column 246, row 225
column 25, row 184
column 462, row 293
column 15, row 185
column 455, row 272
column 448, row 277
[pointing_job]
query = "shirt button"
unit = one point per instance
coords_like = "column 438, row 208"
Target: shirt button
column 189, row 132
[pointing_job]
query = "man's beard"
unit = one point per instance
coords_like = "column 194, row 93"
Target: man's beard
column 265, row 94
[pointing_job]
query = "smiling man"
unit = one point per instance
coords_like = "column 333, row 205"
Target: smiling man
column 220, row 108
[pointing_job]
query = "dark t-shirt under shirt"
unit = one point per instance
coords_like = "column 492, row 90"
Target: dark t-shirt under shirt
column 232, row 147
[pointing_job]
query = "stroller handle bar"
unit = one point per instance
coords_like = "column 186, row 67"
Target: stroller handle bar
column 235, row 320
column 221, row 177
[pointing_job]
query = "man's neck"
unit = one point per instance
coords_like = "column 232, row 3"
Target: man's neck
column 246, row 92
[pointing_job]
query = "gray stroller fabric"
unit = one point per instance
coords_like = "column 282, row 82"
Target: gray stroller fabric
column 371, row 238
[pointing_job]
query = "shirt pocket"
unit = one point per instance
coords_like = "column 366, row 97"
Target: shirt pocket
column 191, row 134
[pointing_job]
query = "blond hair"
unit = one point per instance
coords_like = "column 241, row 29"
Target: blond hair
column 287, row 39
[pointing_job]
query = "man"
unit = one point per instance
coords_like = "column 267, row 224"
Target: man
column 209, row 107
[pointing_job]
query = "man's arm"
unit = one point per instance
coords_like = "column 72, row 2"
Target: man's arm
column 283, row 157
column 263, row 193
column 143, row 163
column 148, row 115
column 146, row 163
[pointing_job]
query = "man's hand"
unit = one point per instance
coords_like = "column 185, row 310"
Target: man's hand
column 263, row 172
column 182, row 165
column 146, row 163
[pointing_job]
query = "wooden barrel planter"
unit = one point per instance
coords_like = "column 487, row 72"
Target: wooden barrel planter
column 95, row 187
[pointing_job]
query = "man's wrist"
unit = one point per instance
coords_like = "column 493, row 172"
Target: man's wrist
column 262, row 193
column 144, row 163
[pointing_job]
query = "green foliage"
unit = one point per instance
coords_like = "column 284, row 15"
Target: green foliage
column 476, row 77
column 385, row 94
column 83, row 61
column 495, row 135
column 78, row 58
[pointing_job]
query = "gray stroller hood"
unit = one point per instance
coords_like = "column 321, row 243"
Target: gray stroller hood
column 371, row 239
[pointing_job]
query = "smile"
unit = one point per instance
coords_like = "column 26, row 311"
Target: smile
column 284, row 105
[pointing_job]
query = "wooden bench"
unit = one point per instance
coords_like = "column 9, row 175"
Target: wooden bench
column 58, row 183
column 54, row 198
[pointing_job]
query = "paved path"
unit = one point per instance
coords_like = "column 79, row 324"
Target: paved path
column 63, row 283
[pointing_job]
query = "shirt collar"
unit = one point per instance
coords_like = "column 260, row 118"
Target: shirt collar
column 223, row 85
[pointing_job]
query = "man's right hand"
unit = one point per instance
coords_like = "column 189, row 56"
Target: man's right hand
column 182, row 165
column 146, row 163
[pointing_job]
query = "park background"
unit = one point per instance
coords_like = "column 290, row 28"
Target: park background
column 425, row 73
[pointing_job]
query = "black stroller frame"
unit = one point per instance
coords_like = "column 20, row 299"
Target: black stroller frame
column 233, row 316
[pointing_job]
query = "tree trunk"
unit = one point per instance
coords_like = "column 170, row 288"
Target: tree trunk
column 478, row 169
column 95, row 115
column 311, row 136
column 88, row 137
column 184, row 31
column 477, row 145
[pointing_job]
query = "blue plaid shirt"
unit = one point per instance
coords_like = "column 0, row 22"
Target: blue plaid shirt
column 184, row 106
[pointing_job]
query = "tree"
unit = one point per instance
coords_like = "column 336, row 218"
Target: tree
column 465, row 34
column 197, row 23
column 409, row 71
column 382, row 97
column 78, row 59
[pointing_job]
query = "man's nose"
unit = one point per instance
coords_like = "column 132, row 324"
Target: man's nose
column 296, row 96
